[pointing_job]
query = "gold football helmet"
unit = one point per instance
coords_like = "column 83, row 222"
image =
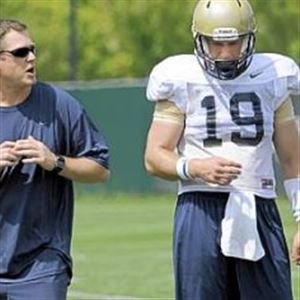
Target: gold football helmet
column 224, row 21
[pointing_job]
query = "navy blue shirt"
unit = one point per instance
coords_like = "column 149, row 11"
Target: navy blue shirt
column 36, row 206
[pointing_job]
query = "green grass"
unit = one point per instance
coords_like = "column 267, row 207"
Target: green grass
column 122, row 246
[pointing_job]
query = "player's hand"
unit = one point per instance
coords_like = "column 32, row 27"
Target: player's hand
column 34, row 151
column 8, row 157
column 296, row 247
column 215, row 170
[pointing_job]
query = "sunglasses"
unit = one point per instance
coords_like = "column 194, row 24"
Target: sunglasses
column 20, row 52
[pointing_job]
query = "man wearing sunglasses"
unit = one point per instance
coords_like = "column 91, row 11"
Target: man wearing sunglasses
column 46, row 141
column 20, row 52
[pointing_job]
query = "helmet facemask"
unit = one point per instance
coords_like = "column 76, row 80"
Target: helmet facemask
column 222, row 68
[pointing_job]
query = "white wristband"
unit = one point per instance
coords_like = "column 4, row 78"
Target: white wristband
column 182, row 168
column 292, row 188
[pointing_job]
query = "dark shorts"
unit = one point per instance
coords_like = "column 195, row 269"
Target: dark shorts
column 52, row 287
column 202, row 272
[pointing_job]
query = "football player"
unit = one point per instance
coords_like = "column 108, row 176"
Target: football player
column 218, row 114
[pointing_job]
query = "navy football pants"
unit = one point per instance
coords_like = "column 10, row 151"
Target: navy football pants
column 48, row 288
column 202, row 272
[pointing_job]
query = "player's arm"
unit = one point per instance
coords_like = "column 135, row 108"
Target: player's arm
column 286, row 140
column 163, row 136
column 287, row 143
column 81, row 169
column 162, row 160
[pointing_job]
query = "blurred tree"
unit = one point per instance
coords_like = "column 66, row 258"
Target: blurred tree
column 48, row 24
column 73, row 45
column 125, row 38
column 278, row 26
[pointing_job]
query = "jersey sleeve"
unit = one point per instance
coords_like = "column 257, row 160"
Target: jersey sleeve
column 88, row 141
column 161, row 86
column 288, row 80
column 83, row 138
column 285, row 112
column 293, row 80
column 166, row 111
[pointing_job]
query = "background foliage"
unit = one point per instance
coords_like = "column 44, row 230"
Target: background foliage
column 125, row 38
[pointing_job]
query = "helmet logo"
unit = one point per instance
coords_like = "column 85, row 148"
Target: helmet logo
column 225, row 34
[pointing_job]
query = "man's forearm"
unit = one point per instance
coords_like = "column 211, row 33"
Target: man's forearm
column 84, row 169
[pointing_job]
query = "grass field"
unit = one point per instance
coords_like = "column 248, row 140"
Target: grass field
column 122, row 247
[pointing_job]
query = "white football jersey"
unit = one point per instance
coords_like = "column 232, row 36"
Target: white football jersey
column 233, row 119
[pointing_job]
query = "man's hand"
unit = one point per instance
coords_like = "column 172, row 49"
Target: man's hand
column 296, row 247
column 215, row 170
column 8, row 156
column 34, row 151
